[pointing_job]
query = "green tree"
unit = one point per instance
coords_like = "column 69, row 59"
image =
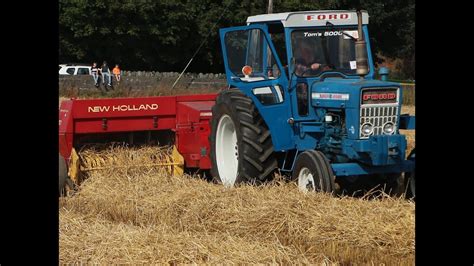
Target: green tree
column 163, row 35
column 391, row 28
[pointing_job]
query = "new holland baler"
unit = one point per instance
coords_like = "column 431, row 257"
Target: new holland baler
column 179, row 121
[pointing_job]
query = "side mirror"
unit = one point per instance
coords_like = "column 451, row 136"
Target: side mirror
column 383, row 72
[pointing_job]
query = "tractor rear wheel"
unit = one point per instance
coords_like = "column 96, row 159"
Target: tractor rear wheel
column 241, row 144
column 410, row 179
column 62, row 175
column 313, row 172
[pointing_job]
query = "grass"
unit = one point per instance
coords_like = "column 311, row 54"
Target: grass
column 161, row 89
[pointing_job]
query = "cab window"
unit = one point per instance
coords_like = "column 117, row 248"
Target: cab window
column 70, row 70
column 83, row 71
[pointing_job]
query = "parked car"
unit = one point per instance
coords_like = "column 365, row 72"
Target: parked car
column 74, row 69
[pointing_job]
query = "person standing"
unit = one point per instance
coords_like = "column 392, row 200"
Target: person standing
column 106, row 75
column 95, row 74
column 117, row 73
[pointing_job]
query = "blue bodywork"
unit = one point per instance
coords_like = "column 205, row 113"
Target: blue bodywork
column 348, row 153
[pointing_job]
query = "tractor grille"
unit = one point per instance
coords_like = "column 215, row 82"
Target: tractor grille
column 378, row 107
column 377, row 116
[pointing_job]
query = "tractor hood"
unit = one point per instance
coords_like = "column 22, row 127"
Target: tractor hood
column 343, row 93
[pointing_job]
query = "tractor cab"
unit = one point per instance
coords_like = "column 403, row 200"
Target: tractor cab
column 312, row 43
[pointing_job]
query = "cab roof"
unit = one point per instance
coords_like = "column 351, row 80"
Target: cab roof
column 311, row 18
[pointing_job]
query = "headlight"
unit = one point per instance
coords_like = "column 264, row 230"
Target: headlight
column 388, row 128
column 367, row 129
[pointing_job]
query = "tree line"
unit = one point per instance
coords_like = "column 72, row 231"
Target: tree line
column 163, row 35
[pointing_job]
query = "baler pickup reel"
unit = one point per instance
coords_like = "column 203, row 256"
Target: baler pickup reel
column 122, row 158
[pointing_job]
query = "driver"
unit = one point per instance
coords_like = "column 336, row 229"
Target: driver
column 306, row 61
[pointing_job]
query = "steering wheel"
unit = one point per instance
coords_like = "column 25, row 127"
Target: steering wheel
column 306, row 71
column 321, row 66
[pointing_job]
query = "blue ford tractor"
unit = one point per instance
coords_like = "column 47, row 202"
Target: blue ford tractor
column 303, row 100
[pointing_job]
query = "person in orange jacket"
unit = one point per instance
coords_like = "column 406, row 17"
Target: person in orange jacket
column 117, row 73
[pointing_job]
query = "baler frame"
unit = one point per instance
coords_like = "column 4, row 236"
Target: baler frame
column 186, row 117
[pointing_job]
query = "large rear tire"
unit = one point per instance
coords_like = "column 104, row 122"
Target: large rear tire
column 313, row 172
column 241, row 144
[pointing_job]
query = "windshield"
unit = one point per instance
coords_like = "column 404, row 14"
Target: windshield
column 321, row 50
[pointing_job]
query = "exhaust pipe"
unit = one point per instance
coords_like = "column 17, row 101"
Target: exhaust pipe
column 361, row 50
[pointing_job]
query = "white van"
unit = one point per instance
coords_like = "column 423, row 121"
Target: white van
column 73, row 69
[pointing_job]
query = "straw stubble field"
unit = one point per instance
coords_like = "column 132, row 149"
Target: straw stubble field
column 150, row 217
column 146, row 216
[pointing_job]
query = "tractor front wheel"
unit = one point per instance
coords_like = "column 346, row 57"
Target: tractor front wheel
column 241, row 145
column 313, row 172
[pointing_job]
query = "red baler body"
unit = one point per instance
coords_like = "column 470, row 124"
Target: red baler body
column 187, row 116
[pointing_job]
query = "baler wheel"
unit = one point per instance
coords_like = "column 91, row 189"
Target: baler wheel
column 313, row 172
column 410, row 179
column 65, row 183
column 241, row 144
column 62, row 175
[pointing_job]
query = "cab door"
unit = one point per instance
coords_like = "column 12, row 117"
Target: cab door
column 266, row 84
